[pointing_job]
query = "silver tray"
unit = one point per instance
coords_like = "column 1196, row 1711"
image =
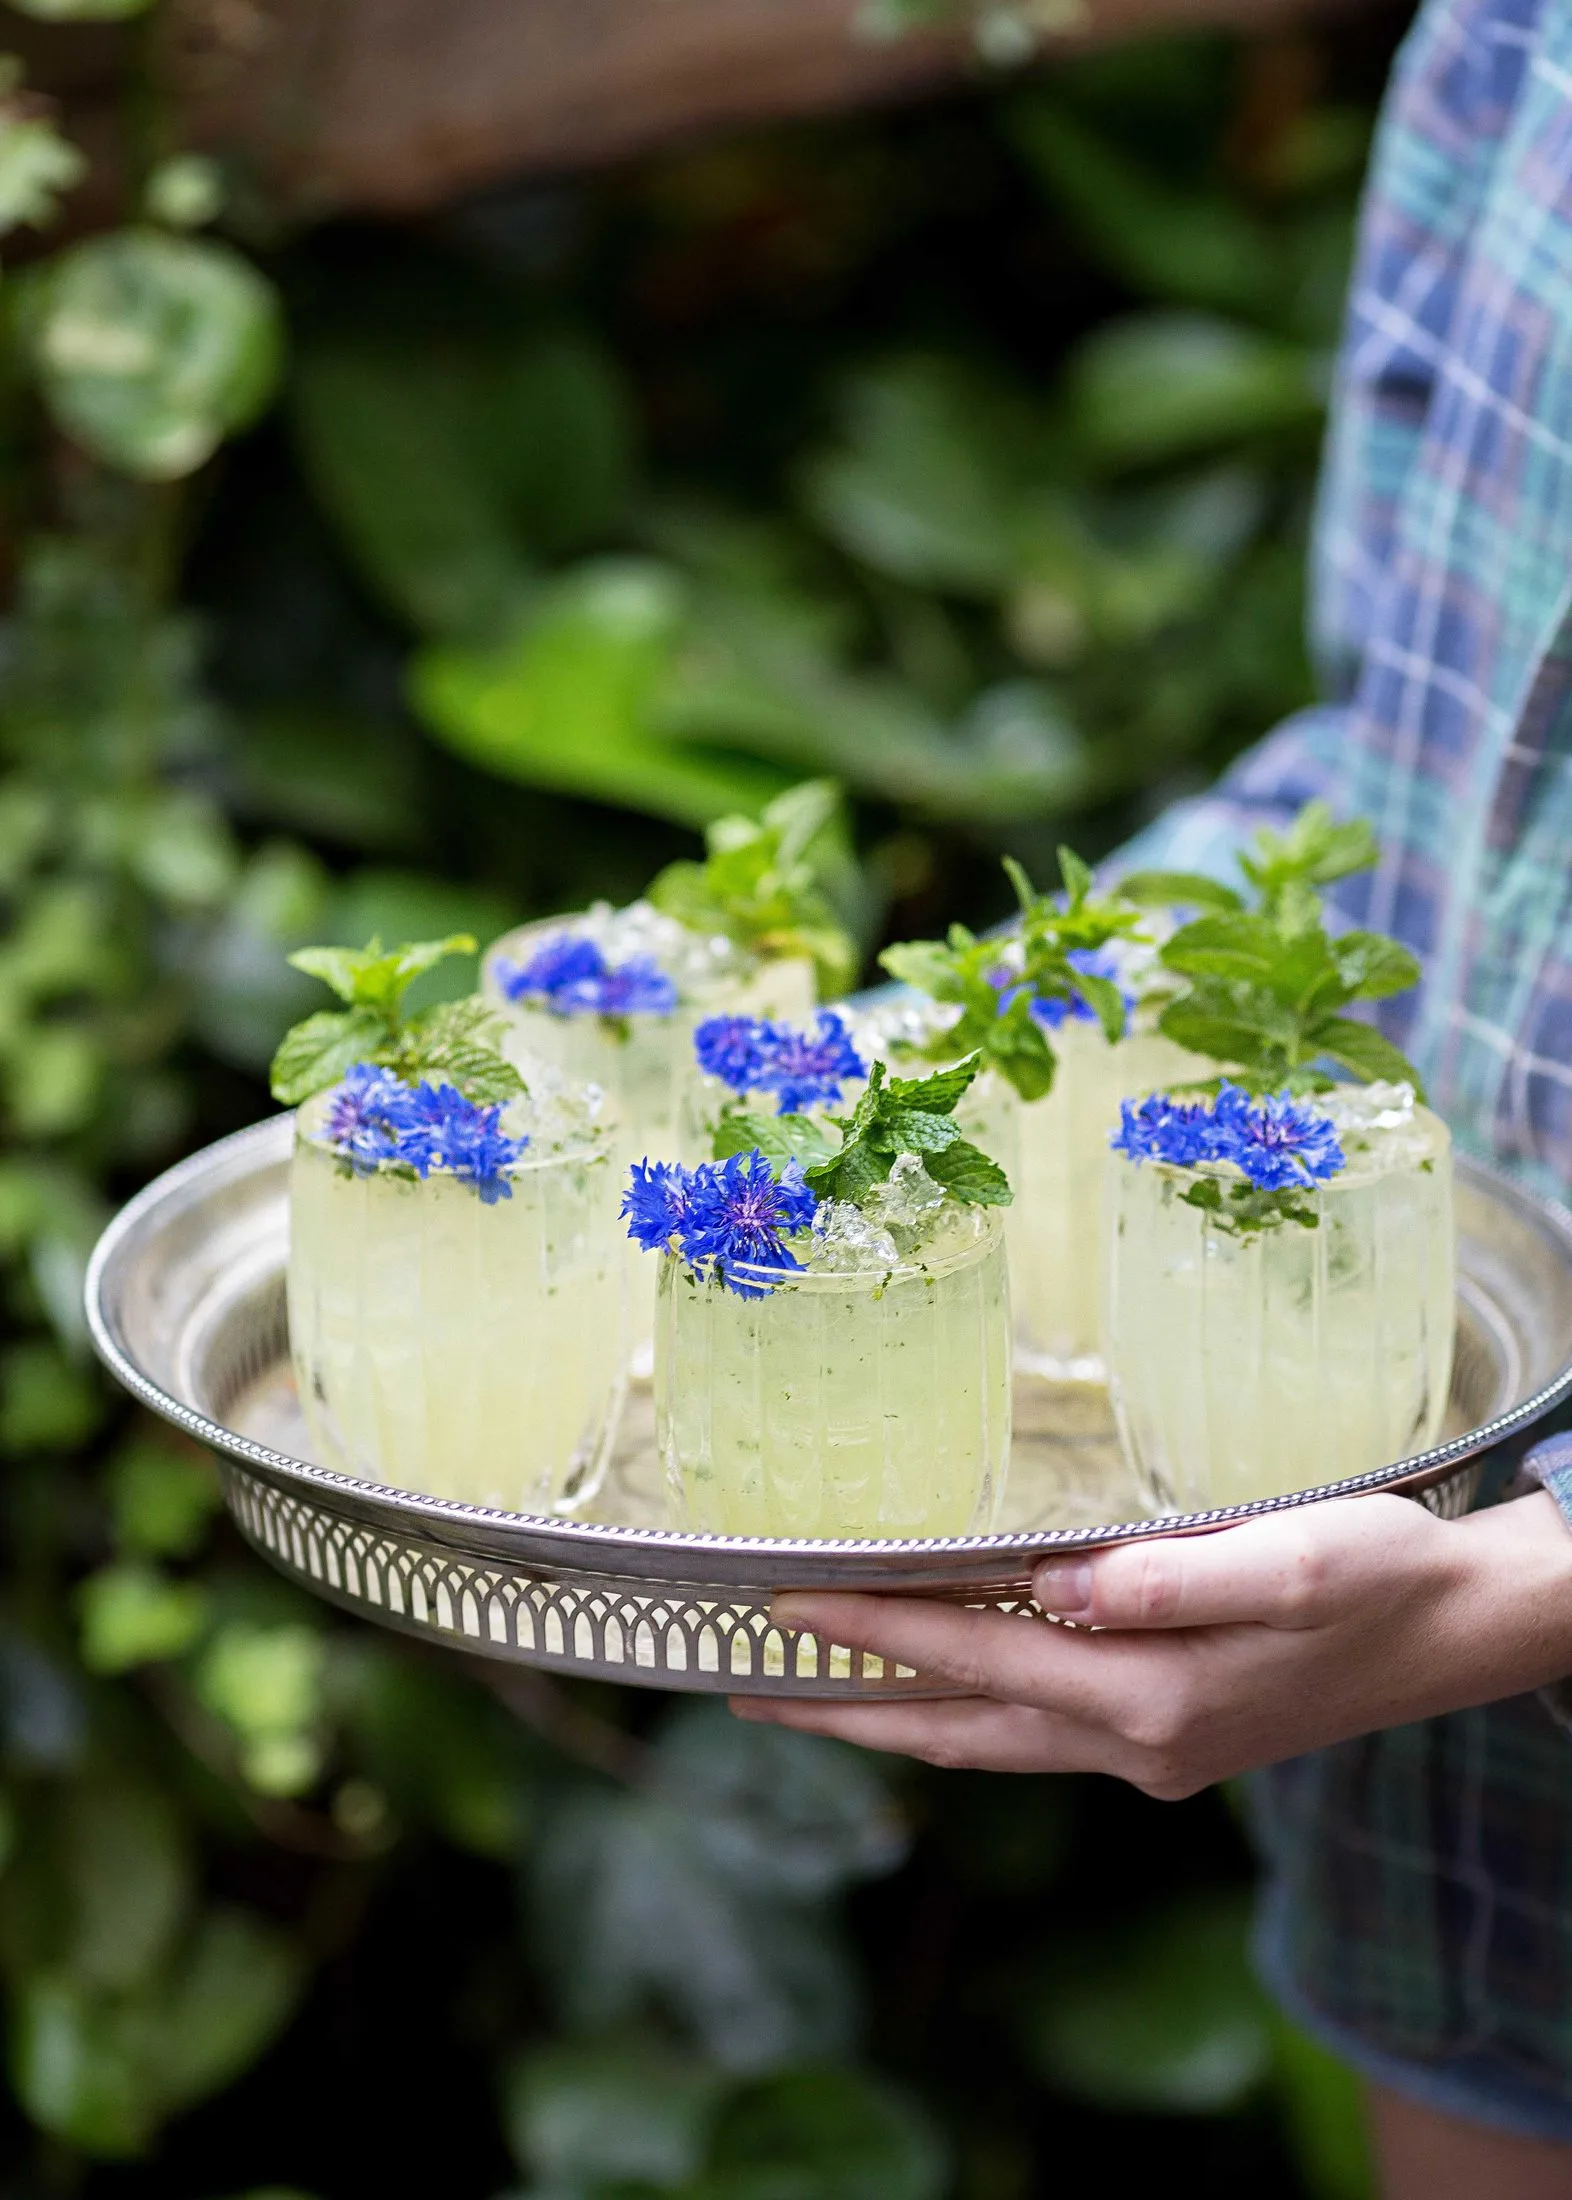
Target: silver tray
column 185, row 1298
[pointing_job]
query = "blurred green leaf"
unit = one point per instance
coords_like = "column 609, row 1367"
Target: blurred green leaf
column 928, row 483
column 103, row 2070
column 161, row 1499
column 265, row 1683
column 1324, row 2106
column 1197, row 246
column 444, row 1752
column 47, row 1402
column 134, row 1615
column 602, row 2112
column 152, row 348
column 822, row 2134
column 449, row 465
column 185, row 191
column 393, row 443
column 36, row 165
column 79, row 2066
column 705, row 1895
column 567, row 704
column 227, row 1998
column 1162, row 386
column 1165, row 2019
column 100, row 1886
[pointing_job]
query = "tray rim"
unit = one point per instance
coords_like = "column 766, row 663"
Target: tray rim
column 699, row 1558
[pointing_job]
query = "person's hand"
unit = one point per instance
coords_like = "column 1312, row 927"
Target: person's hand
column 1222, row 1651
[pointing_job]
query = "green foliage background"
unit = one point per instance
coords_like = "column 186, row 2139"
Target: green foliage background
column 418, row 579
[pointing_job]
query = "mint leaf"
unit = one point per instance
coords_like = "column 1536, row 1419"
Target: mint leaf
column 1232, row 946
column 318, row 1052
column 761, row 882
column 1367, row 1052
column 926, row 965
column 935, row 1095
column 365, row 977
column 1077, row 876
column 1371, row 966
column 967, row 1171
column 1017, row 1047
column 458, row 1042
column 1106, row 1001
column 1212, row 1032
column 338, row 967
column 851, row 1174
column 780, row 1138
column 914, row 1130
column 1178, row 890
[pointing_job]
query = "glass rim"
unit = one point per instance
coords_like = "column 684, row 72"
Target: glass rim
column 1351, row 1177
column 529, row 1162
column 989, row 1234
column 571, row 923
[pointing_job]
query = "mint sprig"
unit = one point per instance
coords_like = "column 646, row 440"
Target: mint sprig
column 996, row 1020
column 760, row 883
column 894, row 1115
column 1269, row 985
column 453, row 1042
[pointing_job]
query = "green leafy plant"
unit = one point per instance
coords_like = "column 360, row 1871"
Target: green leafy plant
column 759, row 884
column 1267, row 986
column 894, row 1115
column 456, row 1042
column 995, row 986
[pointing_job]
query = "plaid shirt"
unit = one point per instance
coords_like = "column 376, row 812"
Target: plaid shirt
column 1424, row 1877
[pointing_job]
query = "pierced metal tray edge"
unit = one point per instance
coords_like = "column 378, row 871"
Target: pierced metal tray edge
column 684, row 1557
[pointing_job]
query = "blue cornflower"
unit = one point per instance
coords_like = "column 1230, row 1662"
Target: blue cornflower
column 739, row 1213
column 366, row 1115
column 459, row 1137
column 802, row 1067
column 1051, row 1011
column 570, row 976
column 1161, row 1129
column 1276, row 1140
column 732, row 1048
column 638, row 987
column 655, row 1203
column 752, row 1054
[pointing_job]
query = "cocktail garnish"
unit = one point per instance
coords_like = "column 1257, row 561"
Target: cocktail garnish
column 375, row 1121
column 455, row 1043
column 1011, row 992
column 1268, row 985
column 801, row 1068
column 759, row 884
column 570, row 976
column 721, row 1214
column 1281, row 1146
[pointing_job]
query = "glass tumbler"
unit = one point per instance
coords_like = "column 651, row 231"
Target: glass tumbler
column 1246, row 1365
column 462, row 1350
column 870, row 1403
column 1055, row 1225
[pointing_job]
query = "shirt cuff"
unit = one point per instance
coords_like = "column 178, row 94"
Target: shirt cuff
column 1549, row 1465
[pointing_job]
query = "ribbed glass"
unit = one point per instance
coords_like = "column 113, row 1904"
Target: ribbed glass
column 839, row 1405
column 1250, row 1366
column 458, row 1349
column 644, row 1067
column 1055, row 1227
